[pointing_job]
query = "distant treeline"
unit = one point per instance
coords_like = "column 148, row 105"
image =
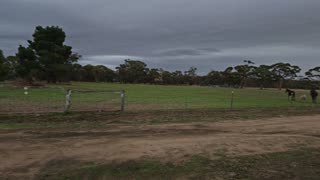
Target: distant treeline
column 47, row 58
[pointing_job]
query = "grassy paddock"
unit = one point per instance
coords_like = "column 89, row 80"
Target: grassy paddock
column 143, row 97
column 195, row 96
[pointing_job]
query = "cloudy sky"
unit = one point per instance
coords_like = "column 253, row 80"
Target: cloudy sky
column 173, row 34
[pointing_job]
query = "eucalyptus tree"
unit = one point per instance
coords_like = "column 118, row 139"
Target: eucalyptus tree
column 4, row 69
column 284, row 71
column 314, row 73
column 263, row 74
column 245, row 71
column 132, row 71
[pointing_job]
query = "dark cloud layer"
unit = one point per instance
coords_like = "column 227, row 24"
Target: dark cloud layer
column 173, row 34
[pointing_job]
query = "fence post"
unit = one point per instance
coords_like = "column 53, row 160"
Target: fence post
column 232, row 98
column 68, row 101
column 122, row 100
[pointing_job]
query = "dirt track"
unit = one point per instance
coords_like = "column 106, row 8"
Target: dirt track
column 24, row 152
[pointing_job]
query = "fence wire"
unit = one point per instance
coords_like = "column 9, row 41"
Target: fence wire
column 53, row 99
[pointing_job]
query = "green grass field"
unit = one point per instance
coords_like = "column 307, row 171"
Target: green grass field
column 144, row 97
column 158, row 121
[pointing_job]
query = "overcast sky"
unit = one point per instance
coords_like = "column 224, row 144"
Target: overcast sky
column 173, row 34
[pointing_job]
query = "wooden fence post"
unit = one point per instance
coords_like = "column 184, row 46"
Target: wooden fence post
column 232, row 99
column 122, row 100
column 68, row 101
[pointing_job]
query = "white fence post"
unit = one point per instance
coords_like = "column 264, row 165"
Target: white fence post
column 122, row 100
column 68, row 101
column 232, row 99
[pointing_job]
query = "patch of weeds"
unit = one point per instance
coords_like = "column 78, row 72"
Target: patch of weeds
column 298, row 164
column 126, row 170
column 16, row 125
column 101, row 120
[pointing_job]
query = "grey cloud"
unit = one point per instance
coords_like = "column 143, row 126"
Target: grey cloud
column 179, row 52
column 186, row 52
column 173, row 34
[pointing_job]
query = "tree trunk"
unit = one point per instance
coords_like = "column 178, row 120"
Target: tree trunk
column 280, row 84
column 243, row 83
column 261, row 86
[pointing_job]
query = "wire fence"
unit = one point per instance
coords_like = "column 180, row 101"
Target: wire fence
column 222, row 98
column 103, row 100
column 54, row 99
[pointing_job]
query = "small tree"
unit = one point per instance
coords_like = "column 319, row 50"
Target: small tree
column 284, row 71
column 88, row 75
column 314, row 73
column 214, row 78
column 28, row 66
column 166, row 77
column 153, row 76
column 132, row 71
column 230, row 77
column 102, row 74
column 4, row 68
column 178, row 77
column 191, row 75
column 12, row 62
column 263, row 74
column 245, row 71
column 78, row 73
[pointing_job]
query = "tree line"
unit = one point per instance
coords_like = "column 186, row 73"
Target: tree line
column 47, row 58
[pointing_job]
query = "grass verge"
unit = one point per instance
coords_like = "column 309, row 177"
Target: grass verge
column 297, row 164
column 102, row 120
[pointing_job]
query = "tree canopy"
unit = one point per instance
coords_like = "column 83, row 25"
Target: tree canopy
column 244, row 72
column 46, row 56
column 263, row 74
column 132, row 71
column 314, row 73
column 283, row 71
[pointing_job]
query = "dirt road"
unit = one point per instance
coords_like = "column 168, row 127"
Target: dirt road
column 24, row 152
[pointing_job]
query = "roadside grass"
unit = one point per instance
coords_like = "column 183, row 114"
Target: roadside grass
column 105, row 119
column 295, row 164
